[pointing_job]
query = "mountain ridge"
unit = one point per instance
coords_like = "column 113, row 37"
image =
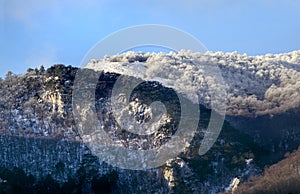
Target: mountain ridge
column 36, row 108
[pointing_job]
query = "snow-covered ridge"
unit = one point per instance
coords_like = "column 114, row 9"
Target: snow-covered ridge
column 255, row 85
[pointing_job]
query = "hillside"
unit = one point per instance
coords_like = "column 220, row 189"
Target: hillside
column 38, row 134
column 282, row 177
column 41, row 141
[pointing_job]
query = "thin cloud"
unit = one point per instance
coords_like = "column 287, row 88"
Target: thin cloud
column 27, row 11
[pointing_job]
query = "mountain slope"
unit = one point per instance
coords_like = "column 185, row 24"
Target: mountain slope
column 39, row 135
column 282, row 177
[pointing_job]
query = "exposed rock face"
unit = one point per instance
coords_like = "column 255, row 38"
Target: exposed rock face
column 55, row 99
column 233, row 185
column 180, row 177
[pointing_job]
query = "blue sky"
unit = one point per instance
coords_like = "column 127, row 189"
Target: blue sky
column 36, row 32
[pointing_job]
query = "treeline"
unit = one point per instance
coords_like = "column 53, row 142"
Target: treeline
column 16, row 181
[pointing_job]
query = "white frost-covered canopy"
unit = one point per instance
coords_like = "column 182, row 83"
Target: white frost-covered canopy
column 255, row 85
